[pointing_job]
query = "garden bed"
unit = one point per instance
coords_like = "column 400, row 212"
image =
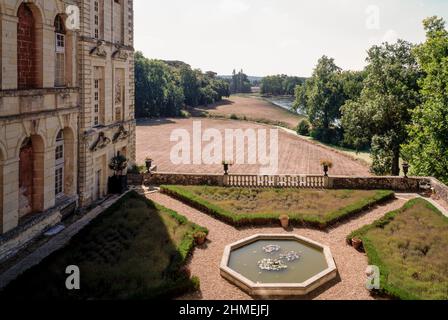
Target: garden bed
column 410, row 247
column 136, row 249
column 252, row 207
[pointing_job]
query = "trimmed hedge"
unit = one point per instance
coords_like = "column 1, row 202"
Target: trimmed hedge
column 297, row 219
column 387, row 289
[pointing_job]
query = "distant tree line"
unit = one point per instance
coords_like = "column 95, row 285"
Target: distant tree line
column 396, row 107
column 280, row 85
column 163, row 88
column 240, row 83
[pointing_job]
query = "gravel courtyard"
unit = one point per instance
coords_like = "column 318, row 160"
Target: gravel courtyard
column 205, row 261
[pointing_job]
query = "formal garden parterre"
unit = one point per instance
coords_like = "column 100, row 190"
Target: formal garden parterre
column 409, row 246
column 254, row 207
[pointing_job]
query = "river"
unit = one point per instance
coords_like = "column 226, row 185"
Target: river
column 285, row 102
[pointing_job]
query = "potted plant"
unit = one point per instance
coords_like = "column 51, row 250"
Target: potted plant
column 118, row 182
column 226, row 165
column 326, row 165
column 148, row 164
column 185, row 272
column 284, row 220
column 200, row 237
column 357, row 243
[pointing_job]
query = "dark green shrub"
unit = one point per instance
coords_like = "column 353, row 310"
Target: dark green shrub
column 304, row 128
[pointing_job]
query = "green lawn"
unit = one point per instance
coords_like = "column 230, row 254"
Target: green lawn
column 134, row 250
column 410, row 246
column 244, row 206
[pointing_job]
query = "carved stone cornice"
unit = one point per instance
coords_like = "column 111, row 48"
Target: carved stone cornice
column 120, row 53
column 101, row 142
column 121, row 135
column 99, row 50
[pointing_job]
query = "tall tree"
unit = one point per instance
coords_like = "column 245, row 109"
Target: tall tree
column 383, row 111
column 427, row 150
column 240, row 83
column 322, row 96
column 190, row 84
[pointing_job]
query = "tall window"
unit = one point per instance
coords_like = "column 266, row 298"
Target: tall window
column 98, row 19
column 59, row 165
column 118, row 25
column 60, row 52
column 98, row 97
column 26, row 44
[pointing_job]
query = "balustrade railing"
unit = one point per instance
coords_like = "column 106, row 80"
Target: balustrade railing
column 279, row 181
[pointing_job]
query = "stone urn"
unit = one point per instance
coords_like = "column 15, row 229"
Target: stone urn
column 357, row 243
column 148, row 164
column 284, row 221
column 326, row 165
column 406, row 167
column 226, row 165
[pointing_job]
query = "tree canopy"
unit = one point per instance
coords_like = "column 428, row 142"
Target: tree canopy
column 162, row 88
column 280, row 85
column 321, row 96
column 382, row 112
column 427, row 150
column 240, row 83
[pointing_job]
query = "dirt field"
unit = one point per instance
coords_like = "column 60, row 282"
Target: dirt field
column 296, row 156
column 252, row 108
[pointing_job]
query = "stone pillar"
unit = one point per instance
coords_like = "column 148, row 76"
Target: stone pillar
column 8, row 51
column 49, row 199
column 10, row 216
column 46, row 35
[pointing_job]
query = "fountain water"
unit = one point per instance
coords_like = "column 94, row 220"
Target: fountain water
column 278, row 265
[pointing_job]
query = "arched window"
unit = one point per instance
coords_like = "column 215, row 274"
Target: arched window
column 31, row 176
column 59, row 165
column 27, row 71
column 60, row 47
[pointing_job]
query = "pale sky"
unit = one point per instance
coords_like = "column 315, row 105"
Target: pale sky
column 275, row 36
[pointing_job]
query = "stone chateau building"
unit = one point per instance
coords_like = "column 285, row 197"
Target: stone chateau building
column 66, row 108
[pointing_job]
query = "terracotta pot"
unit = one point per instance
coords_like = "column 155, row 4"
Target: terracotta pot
column 186, row 271
column 284, row 222
column 200, row 240
column 356, row 243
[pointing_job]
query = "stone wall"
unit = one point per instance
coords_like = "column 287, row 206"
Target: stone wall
column 135, row 179
column 19, row 237
column 440, row 189
column 185, row 179
column 399, row 184
column 372, row 183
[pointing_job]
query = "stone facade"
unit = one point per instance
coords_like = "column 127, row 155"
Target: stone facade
column 107, row 124
column 66, row 106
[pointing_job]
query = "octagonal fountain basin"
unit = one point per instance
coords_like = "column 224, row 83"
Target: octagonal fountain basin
column 278, row 265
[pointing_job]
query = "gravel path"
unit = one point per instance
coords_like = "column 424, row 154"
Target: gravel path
column 205, row 261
